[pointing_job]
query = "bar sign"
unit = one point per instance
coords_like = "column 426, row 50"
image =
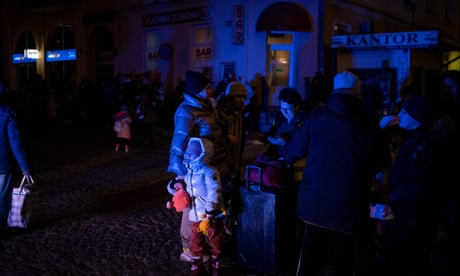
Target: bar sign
column 238, row 25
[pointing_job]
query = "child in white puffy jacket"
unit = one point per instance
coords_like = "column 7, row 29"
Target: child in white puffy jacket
column 203, row 184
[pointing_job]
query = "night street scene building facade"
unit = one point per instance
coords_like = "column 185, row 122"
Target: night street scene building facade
column 64, row 44
column 285, row 42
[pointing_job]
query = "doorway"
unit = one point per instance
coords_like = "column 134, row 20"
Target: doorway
column 279, row 65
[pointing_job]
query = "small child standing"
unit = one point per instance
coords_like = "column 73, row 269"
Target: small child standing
column 203, row 184
column 122, row 127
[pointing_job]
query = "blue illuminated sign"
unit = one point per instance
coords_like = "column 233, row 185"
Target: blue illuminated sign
column 61, row 55
column 20, row 58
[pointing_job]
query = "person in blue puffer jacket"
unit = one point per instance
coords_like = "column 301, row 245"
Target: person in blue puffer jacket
column 11, row 150
column 196, row 116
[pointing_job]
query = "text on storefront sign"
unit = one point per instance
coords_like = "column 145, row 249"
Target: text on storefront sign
column 238, row 25
column 175, row 17
column 203, row 52
column 425, row 39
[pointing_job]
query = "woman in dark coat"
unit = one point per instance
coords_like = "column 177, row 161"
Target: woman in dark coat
column 11, row 150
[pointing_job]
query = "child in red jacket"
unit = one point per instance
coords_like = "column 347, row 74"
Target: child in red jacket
column 122, row 127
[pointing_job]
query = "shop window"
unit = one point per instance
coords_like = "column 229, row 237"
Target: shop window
column 203, row 35
column 61, row 72
column 152, row 45
column 341, row 28
column 279, row 38
column 203, row 50
column 25, row 71
column 62, row 38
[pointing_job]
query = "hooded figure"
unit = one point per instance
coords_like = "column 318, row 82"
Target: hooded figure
column 204, row 187
column 202, row 180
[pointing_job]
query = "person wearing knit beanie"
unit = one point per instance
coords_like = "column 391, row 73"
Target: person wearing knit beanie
column 195, row 82
column 235, row 88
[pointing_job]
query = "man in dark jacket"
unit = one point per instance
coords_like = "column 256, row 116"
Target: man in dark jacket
column 11, row 148
column 334, row 192
column 413, row 189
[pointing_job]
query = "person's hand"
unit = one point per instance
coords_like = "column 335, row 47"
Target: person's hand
column 29, row 179
column 389, row 120
column 178, row 185
column 278, row 141
column 212, row 101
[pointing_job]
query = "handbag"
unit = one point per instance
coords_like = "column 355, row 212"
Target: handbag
column 274, row 172
column 24, row 202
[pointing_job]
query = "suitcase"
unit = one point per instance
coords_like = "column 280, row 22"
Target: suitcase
column 265, row 232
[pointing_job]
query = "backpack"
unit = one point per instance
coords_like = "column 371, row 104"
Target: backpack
column 117, row 126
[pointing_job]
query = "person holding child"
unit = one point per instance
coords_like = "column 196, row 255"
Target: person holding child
column 196, row 116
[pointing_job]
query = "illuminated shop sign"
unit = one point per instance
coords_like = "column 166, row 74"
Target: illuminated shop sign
column 423, row 39
column 61, row 55
column 20, row 58
column 203, row 52
column 31, row 53
column 238, row 25
column 176, row 17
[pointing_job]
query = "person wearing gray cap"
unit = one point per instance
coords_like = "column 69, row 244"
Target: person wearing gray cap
column 333, row 196
column 11, row 150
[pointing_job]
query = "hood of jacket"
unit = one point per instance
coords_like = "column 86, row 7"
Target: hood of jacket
column 197, row 102
column 204, row 157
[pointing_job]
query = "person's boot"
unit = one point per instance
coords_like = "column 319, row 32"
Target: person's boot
column 117, row 147
column 126, row 148
column 215, row 266
column 197, row 268
column 186, row 256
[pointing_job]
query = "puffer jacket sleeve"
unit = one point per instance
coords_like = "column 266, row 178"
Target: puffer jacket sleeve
column 214, row 199
column 184, row 121
column 17, row 146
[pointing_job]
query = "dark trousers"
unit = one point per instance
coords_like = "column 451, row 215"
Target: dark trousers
column 326, row 250
column 6, row 187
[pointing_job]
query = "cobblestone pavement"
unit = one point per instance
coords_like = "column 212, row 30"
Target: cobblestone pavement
column 101, row 213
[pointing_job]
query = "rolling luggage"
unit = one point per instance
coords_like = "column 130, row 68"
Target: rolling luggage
column 265, row 233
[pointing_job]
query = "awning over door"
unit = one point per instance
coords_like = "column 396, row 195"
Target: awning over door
column 284, row 16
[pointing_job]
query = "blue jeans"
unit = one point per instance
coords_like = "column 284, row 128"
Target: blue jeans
column 5, row 197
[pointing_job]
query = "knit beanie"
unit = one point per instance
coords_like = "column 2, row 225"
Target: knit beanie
column 418, row 108
column 195, row 82
column 235, row 89
column 348, row 81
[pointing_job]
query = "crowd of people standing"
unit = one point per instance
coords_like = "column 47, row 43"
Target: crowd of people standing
column 346, row 145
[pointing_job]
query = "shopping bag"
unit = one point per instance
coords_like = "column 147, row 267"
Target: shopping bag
column 275, row 173
column 24, row 202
